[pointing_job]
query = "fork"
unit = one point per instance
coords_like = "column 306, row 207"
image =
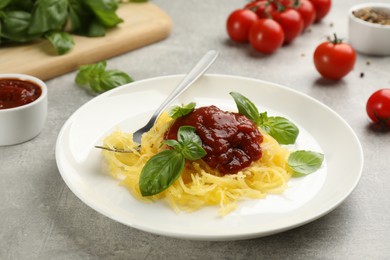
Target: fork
column 198, row 70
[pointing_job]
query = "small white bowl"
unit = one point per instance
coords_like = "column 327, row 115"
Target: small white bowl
column 22, row 123
column 366, row 37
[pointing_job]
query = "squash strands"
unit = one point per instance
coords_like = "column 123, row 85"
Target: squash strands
column 199, row 185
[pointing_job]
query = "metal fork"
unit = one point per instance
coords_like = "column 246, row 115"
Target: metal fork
column 197, row 71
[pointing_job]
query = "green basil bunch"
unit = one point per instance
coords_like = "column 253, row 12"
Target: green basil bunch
column 29, row 20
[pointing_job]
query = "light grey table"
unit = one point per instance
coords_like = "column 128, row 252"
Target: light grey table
column 40, row 218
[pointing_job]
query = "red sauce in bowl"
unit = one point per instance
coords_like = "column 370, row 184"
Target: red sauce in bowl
column 231, row 140
column 17, row 92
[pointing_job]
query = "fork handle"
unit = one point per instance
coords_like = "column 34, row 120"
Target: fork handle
column 200, row 68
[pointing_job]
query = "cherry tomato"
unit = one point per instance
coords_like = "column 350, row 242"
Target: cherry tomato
column 334, row 59
column 307, row 11
column 291, row 22
column 322, row 8
column 266, row 36
column 262, row 8
column 239, row 23
column 378, row 107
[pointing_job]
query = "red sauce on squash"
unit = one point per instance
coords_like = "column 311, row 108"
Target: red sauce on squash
column 16, row 92
column 231, row 140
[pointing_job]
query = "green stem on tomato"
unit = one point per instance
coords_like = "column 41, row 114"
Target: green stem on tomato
column 382, row 122
column 297, row 3
column 280, row 7
column 266, row 11
column 335, row 39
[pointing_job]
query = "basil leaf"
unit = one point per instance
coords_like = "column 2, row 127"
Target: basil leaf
column 191, row 143
column 161, row 171
column 193, row 151
column 180, row 111
column 280, row 128
column 15, row 26
column 305, row 162
column 165, row 167
column 87, row 72
column 173, row 143
column 246, row 107
column 48, row 15
column 104, row 11
column 95, row 29
column 4, row 3
column 79, row 16
column 187, row 134
column 99, row 79
column 110, row 79
column 264, row 126
column 23, row 5
column 61, row 41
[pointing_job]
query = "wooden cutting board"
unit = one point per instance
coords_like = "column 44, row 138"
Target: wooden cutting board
column 144, row 23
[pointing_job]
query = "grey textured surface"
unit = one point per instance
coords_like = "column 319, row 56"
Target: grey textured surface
column 40, row 218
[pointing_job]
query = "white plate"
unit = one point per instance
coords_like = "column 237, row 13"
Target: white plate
column 130, row 107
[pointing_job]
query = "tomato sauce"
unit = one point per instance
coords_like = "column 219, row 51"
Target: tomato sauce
column 231, row 140
column 16, row 92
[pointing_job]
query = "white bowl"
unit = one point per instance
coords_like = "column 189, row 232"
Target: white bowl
column 22, row 123
column 366, row 37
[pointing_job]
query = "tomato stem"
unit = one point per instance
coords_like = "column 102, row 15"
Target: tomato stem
column 267, row 13
column 256, row 7
column 279, row 6
column 335, row 39
column 297, row 3
column 382, row 122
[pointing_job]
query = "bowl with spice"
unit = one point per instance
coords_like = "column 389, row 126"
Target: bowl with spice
column 369, row 28
column 23, row 108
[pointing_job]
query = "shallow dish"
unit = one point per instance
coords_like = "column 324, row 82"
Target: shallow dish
column 130, row 106
column 22, row 123
column 367, row 37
